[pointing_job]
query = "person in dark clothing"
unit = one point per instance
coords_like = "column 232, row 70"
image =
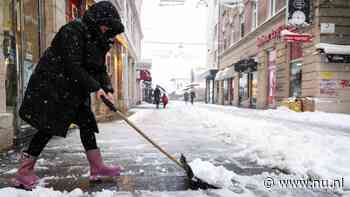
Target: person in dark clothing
column 165, row 100
column 157, row 96
column 192, row 96
column 186, row 97
column 58, row 92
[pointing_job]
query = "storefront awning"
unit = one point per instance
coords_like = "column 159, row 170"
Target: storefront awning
column 246, row 65
column 209, row 74
column 334, row 49
column 225, row 74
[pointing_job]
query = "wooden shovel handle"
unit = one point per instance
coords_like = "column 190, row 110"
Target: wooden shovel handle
column 112, row 107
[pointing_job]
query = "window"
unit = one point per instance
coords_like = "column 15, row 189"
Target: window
column 272, row 7
column 232, row 90
column 241, row 21
column 295, row 79
column 226, row 90
column 254, row 14
column 243, row 87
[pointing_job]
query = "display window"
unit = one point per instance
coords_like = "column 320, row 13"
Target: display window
column 295, row 79
column 8, row 53
column 272, row 82
column 243, row 87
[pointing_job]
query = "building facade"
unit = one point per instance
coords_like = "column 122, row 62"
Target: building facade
column 26, row 30
column 263, row 61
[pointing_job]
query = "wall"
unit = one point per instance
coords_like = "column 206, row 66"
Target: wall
column 336, row 12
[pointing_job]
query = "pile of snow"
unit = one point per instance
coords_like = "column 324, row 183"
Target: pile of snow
column 313, row 144
column 218, row 176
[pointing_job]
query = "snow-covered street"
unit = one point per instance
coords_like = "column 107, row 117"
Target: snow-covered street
column 247, row 146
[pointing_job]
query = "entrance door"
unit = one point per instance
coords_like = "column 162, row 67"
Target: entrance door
column 272, row 78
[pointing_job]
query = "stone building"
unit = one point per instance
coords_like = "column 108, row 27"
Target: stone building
column 264, row 61
column 26, row 30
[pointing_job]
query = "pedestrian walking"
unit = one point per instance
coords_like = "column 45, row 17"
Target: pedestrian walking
column 186, row 97
column 165, row 100
column 157, row 94
column 58, row 91
column 192, row 96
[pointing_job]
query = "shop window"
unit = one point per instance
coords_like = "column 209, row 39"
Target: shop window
column 243, row 86
column 232, row 90
column 254, row 87
column 295, row 79
column 226, row 90
column 272, row 78
column 8, row 54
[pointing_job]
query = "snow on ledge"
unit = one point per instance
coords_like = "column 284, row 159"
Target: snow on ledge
column 334, row 48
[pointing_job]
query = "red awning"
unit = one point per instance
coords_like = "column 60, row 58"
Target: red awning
column 289, row 36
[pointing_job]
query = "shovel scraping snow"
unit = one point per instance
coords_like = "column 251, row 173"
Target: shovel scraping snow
column 194, row 182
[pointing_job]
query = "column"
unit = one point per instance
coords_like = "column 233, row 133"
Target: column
column 2, row 65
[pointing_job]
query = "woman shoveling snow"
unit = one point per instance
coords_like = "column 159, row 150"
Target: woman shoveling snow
column 58, row 92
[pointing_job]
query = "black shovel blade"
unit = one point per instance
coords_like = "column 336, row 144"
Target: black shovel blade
column 195, row 183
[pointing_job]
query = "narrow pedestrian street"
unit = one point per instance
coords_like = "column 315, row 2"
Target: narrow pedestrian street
column 246, row 142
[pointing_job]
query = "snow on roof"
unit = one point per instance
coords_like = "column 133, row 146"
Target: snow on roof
column 334, row 48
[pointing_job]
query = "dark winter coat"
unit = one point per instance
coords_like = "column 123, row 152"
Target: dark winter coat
column 58, row 92
column 157, row 95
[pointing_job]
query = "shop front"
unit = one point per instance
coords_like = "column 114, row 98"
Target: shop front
column 248, row 81
column 26, row 29
column 209, row 77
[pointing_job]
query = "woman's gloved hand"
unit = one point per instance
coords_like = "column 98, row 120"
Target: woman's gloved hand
column 101, row 93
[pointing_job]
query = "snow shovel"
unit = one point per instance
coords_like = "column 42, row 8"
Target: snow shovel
column 194, row 182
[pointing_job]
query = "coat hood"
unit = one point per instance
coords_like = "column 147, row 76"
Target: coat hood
column 104, row 13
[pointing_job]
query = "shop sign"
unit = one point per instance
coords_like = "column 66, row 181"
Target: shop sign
column 145, row 75
column 274, row 35
column 298, row 38
column 327, row 28
column 335, row 58
column 298, row 12
column 328, row 87
column 344, row 83
column 246, row 65
column 327, row 75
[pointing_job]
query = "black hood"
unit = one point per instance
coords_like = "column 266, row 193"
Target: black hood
column 104, row 13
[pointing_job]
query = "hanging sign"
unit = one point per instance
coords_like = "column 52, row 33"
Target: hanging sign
column 298, row 12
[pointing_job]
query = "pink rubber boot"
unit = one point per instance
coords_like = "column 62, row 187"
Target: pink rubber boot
column 97, row 168
column 25, row 176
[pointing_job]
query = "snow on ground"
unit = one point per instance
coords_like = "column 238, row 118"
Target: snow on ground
column 47, row 192
column 313, row 144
